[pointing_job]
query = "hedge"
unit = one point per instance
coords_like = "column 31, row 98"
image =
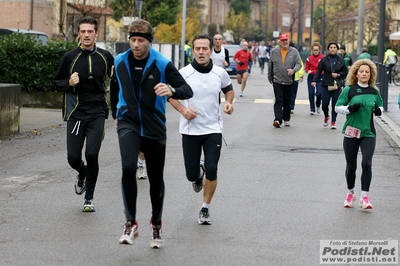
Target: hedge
column 26, row 62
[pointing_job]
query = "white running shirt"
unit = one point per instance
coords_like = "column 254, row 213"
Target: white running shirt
column 262, row 51
column 219, row 58
column 206, row 100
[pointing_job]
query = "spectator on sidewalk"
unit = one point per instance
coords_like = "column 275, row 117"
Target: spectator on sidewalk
column 346, row 57
column 81, row 75
column 359, row 101
column 334, row 71
column 390, row 59
column 314, row 93
column 285, row 61
column 365, row 54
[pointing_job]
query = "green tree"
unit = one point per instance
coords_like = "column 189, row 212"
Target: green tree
column 241, row 6
column 154, row 11
column 238, row 24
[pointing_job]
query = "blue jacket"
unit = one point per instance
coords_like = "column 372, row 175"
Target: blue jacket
column 144, row 111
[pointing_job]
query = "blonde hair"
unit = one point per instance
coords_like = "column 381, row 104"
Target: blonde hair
column 316, row 44
column 352, row 75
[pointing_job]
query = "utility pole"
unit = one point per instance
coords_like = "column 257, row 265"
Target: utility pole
column 299, row 26
column 360, row 35
column 183, row 34
column 381, row 35
column 312, row 23
column 323, row 28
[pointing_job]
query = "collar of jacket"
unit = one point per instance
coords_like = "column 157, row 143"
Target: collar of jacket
column 202, row 69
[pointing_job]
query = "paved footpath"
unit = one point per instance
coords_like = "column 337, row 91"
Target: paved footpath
column 280, row 192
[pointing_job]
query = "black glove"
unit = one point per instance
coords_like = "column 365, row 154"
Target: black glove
column 354, row 108
column 241, row 63
column 377, row 111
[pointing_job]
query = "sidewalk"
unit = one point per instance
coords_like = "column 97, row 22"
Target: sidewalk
column 390, row 120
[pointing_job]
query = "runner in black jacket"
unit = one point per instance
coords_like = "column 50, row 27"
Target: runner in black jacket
column 333, row 68
column 81, row 75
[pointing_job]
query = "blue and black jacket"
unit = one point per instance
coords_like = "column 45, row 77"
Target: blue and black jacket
column 87, row 100
column 140, row 109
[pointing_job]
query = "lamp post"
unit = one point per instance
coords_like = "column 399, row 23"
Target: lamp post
column 183, row 33
column 139, row 7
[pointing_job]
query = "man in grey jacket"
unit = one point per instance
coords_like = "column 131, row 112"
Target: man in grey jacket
column 284, row 62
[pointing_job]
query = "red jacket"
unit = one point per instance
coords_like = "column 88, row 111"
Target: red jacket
column 243, row 56
column 312, row 63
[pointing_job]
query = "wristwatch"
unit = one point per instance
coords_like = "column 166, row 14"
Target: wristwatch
column 172, row 89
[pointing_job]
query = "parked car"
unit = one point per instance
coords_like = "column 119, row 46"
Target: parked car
column 43, row 38
column 232, row 48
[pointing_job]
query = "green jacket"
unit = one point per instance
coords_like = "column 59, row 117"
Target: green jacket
column 364, row 56
column 347, row 59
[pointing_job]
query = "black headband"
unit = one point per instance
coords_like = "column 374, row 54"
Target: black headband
column 147, row 36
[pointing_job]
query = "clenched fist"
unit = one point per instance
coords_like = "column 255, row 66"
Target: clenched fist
column 74, row 79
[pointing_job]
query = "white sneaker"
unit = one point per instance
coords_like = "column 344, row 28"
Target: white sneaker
column 287, row 124
column 241, row 94
column 156, row 240
column 141, row 172
column 312, row 113
column 318, row 110
column 129, row 234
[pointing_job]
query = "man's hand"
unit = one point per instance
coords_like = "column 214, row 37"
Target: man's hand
column 290, row 72
column 74, row 79
column 226, row 64
column 228, row 108
column 241, row 63
column 162, row 89
column 189, row 113
column 313, row 84
column 115, row 123
column 335, row 75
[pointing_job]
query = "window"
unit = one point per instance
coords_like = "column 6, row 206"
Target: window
column 307, row 23
column 285, row 20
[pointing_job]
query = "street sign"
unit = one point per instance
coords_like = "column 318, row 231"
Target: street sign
column 275, row 34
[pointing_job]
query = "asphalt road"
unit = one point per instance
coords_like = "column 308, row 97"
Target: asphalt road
column 280, row 192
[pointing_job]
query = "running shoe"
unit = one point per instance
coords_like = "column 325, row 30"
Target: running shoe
column 141, row 172
column 156, row 240
column 88, row 205
column 287, row 124
column 318, row 110
column 198, row 184
column 350, row 199
column 241, row 94
column 326, row 119
column 204, row 216
column 80, row 185
column 312, row 113
column 364, row 203
column 130, row 233
column 333, row 125
column 276, row 124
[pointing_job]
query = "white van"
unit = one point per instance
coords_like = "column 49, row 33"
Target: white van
column 43, row 38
